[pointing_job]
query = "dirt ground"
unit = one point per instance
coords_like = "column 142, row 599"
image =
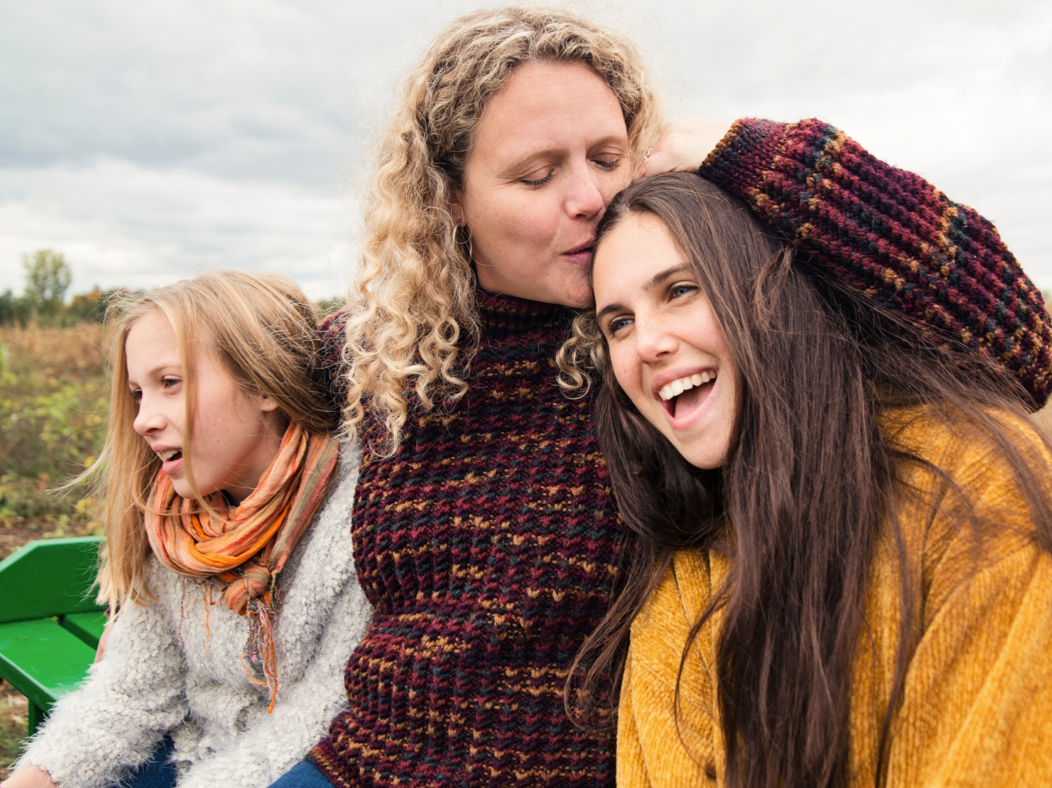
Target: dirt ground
column 13, row 711
column 14, row 536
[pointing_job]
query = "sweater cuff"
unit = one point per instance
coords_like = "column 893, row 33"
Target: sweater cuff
column 746, row 152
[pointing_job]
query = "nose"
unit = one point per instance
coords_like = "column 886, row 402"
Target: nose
column 585, row 199
column 654, row 341
column 149, row 419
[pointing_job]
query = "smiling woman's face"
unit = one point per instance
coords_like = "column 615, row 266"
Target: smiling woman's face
column 666, row 347
column 549, row 153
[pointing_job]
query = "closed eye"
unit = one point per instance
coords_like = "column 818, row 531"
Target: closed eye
column 608, row 164
column 538, row 181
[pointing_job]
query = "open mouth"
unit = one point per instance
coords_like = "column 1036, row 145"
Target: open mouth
column 680, row 396
column 170, row 454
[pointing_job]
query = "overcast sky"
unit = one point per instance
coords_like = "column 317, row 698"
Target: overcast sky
column 149, row 141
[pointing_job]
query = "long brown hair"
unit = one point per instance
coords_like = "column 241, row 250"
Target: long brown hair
column 809, row 479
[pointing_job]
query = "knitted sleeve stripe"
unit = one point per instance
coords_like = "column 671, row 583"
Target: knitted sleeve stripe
column 892, row 236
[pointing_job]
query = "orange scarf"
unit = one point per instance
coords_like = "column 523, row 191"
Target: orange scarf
column 246, row 548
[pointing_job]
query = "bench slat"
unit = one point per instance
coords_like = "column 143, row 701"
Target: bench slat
column 86, row 626
column 50, row 577
column 42, row 660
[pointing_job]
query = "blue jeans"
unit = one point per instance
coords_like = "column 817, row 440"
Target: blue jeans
column 302, row 775
column 158, row 772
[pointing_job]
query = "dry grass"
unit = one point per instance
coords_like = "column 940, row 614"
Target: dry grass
column 13, row 711
column 53, row 404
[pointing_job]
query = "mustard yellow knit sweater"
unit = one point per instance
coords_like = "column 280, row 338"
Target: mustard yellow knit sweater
column 977, row 705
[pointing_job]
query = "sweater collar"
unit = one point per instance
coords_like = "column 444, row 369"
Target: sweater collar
column 502, row 315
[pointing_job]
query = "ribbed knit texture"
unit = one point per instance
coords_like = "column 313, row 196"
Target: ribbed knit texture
column 975, row 706
column 488, row 545
column 892, row 236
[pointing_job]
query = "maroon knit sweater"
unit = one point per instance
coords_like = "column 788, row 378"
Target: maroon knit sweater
column 488, row 545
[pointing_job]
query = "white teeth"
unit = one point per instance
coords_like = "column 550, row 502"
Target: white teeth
column 677, row 387
column 167, row 454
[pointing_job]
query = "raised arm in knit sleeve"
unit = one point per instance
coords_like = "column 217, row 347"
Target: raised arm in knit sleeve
column 977, row 702
column 892, row 236
column 113, row 723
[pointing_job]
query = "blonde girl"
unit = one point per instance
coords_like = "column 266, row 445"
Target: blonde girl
column 229, row 574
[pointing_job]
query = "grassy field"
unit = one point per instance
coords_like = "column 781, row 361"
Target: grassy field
column 53, row 402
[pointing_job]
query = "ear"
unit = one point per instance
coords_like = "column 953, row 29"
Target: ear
column 267, row 404
column 456, row 208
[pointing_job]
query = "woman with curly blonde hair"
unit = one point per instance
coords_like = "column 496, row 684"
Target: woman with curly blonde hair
column 485, row 534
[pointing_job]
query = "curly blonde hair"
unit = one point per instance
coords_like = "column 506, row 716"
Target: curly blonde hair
column 413, row 300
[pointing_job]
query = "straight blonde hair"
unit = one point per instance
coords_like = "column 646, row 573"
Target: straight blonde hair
column 263, row 331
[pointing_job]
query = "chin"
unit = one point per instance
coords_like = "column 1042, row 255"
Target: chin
column 576, row 297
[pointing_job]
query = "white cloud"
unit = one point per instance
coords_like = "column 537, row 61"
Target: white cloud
column 120, row 224
column 151, row 140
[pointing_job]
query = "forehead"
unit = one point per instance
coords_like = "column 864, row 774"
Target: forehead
column 541, row 103
column 152, row 330
column 630, row 254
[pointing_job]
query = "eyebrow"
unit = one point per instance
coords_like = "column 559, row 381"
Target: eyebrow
column 654, row 281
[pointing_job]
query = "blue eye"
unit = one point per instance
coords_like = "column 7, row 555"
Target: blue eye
column 678, row 291
column 617, row 324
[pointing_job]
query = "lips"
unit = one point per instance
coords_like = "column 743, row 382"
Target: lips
column 171, row 459
column 581, row 254
column 683, row 396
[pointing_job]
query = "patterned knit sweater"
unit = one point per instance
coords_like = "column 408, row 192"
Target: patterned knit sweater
column 487, row 545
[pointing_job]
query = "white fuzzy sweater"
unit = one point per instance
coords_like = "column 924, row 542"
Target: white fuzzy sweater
column 163, row 674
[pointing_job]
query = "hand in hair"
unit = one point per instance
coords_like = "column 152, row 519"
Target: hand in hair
column 683, row 147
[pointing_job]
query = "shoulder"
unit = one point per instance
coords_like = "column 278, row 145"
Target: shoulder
column 973, row 453
column 333, row 332
column 972, row 496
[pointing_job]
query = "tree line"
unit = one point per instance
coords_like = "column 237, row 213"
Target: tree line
column 48, row 277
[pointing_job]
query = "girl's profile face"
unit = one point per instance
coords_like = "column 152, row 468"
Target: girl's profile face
column 550, row 152
column 666, row 346
column 235, row 433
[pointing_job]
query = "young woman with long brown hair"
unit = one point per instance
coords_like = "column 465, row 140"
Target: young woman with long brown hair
column 841, row 571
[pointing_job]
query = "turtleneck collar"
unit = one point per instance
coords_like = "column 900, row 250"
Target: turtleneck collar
column 503, row 314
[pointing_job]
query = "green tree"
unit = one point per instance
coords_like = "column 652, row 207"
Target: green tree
column 47, row 278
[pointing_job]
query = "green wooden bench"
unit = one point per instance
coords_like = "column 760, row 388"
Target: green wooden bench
column 50, row 624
